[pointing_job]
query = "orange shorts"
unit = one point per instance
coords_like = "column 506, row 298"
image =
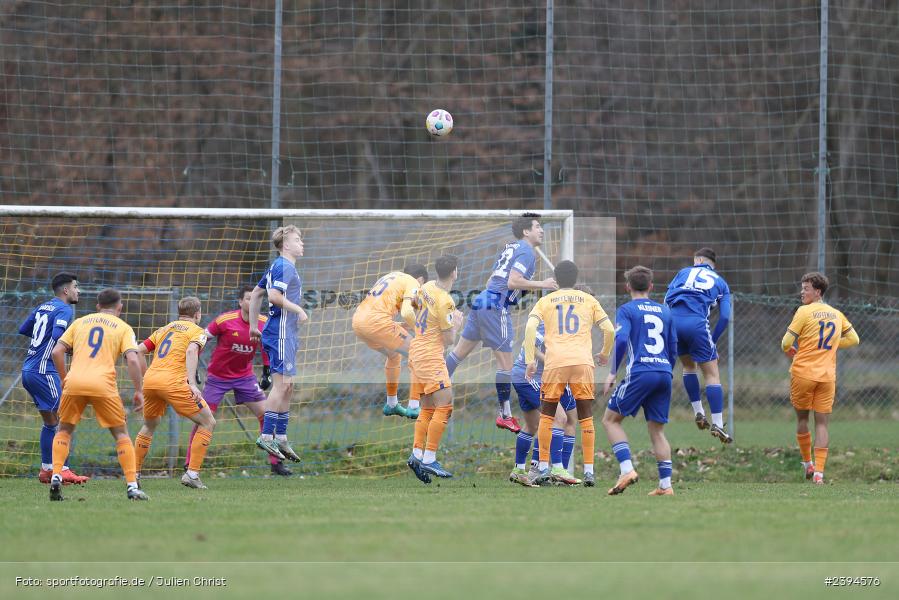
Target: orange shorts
column 578, row 377
column 180, row 398
column 108, row 409
column 428, row 378
column 379, row 334
column 806, row 394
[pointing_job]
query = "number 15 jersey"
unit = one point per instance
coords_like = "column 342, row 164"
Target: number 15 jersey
column 568, row 316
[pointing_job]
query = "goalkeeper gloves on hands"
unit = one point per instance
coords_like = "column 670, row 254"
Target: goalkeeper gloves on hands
column 266, row 381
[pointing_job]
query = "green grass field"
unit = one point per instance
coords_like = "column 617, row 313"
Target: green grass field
column 749, row 539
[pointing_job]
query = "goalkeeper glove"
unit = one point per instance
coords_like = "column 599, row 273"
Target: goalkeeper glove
column 266, row 381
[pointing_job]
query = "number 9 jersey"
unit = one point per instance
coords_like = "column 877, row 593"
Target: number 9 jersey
column 97, row 341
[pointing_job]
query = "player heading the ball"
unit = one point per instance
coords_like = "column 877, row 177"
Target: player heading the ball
column 691, row 295
column 280, row 338
column 374, row 323
column 489, row 321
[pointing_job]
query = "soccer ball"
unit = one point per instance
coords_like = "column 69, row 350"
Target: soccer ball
column 439, row 123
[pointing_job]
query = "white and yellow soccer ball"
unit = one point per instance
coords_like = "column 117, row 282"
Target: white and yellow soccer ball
column 439, row 122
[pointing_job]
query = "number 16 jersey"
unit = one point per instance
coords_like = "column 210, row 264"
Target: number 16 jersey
column 568, row 316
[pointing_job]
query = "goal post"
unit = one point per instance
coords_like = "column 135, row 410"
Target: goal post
column 210, row 253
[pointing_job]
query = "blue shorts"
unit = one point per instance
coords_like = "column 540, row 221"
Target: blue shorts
column 529, row 396
column 44, row 388
column 491, row 326
column 282, row 354
column 649, row 389
column 694, row 338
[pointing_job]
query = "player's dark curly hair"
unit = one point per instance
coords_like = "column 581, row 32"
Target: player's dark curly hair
column 566, row 274
column 416, row 270
column 818, row 280
column 525, row 221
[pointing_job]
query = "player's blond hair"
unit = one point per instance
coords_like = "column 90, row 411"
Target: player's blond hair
column 188, row 306
column 280, row 233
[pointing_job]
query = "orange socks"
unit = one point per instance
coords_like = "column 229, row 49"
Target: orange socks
column 392, row 373
column 805, row 445
column 198, row 448
column 422, row 424
column 125, row 450
column 61, row 442
column 820, row 460
column 437, row 426
column 545, row 436
column 141, row 447
column 588, row 439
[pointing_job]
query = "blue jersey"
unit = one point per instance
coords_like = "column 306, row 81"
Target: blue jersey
column 282, row 276
column 518, row 255
column 44, row 325
column 520, row 365
column 645, row 330
column 696, row 290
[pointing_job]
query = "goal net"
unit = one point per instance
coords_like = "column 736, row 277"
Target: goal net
column 156, row 256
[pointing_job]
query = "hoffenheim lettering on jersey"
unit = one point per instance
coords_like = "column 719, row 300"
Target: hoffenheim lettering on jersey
column 696, row 290
column 650, row 335
column 44, row 326
column 518, row 255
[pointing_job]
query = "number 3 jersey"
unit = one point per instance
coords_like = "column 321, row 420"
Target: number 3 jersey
column 647, row 330
column 169, row 367
column 568, row 317
column 44, row 326
column 818, row 328
column 97, row 341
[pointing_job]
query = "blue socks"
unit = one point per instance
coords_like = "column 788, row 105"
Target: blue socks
column 664, row 473
column 691, row 384
column 715, row 396
column 269, row 421
column 536, row 455
column 567, row 449
column 622, row 451
column 452, row 361
column 281, row 423
column 555, row 447
column 504, row 390
column 47, row 434
column 522, row 445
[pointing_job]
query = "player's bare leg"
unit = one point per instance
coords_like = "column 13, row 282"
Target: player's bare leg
column 205, row 425
column 691, row 385
column 822, row 441
column 611, row 422
column 804, row 438
column 662, row 450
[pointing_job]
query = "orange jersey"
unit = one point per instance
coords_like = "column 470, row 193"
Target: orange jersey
column 568, row 317
column 386, row 297
column 433, row 317
column 97, row 341
column 170, row 343
column 818, row 328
